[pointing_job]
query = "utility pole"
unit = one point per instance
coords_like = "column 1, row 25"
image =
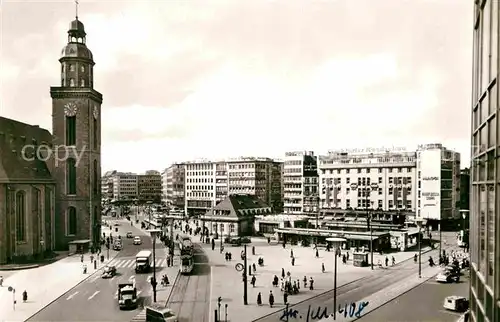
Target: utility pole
column 245, row 272
column 335, row 284
column 172, row 244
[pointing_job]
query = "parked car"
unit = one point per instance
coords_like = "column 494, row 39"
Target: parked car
column 447, row 276
column 456, row 303
column 117, row 245
column 237, row 241
column 137, row 240
column 108, row 271
column 129, row 234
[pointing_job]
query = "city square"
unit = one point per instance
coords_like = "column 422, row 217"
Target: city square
column 249, row 161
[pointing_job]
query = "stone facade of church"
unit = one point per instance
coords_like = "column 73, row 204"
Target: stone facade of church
column 50, row 195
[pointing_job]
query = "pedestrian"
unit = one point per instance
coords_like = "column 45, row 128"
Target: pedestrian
column 285, row 298
column 344, row 259
column 305, row 281
column 347, row 255
column 254, row 279
column 284, row 245
column 81, row 258
column 282, row 272
column 25, row 296
column 311, row 284
column 323, row 267
column 271, row 299
column 227, row 257
column 254, row 267
column 268, row 240
column 386, row 261
column 298, row 284
column 317, row 253
column 91, row 259
column 293, row 261
column 291, row 253
column 393, row 261
column 415, row 258
column 253, row 250
column 259, row 299
column 1, row 281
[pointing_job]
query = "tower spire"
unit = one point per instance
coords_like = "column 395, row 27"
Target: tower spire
column 76, row 9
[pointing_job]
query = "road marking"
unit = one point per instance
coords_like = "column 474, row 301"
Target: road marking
column 92, row 296
column 450, row 312
column 72, row 296
column 139, row 292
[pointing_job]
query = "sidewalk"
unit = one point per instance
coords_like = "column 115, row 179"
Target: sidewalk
column 44, row 285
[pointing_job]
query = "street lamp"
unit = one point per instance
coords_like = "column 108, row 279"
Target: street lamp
column 337, row 253
column 154, row 233
column 372, row 187
column 419, row 224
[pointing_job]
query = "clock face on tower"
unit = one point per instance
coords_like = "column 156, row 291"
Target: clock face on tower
column 70, row 109
column 96, row 112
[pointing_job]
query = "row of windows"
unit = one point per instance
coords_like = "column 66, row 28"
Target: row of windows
column 72, row 68
column 366, row 181
column 364, row 170
column 72, row 83
column 343, row 160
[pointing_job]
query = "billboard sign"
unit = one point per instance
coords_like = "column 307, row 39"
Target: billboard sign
column 430, row 184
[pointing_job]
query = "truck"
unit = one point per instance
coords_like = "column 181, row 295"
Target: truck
column 127, row 295
column 143, row 261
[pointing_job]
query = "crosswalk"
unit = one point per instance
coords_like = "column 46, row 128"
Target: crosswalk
column 129, row 263
column 141, row 317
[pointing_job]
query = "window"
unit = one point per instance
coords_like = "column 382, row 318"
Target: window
column 96, row 134
column 379, row 180
column 82, row 69
column 71, row 176
column 20, row 216
column 380, row 204
column 70, row 130
column 71, row 67
column 95, row 178
column 71, row 221
column 72, row 82
column 231, row 228
column 485, row 46
column 82, row 82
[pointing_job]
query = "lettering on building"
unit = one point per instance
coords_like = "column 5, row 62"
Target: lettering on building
column 430, row 178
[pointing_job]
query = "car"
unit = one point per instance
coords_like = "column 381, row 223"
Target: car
column 456, row 303
column 454, row 269
column 160, row 314
column 137, row 240
column 108, row 271
column 117, row 245
column 447, row 276
column 129, row 234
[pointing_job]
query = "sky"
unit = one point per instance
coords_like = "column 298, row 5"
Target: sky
column 185, row 80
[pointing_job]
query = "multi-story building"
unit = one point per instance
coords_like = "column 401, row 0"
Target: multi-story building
column 438, row 183
column 424, row 184
column 382, row 181
column 173, row 180
column 209, row 182
column 300, row 183
column 107, row 185
column 125, row 186
column 484, row 236
column 464, row 189
column 149, row 187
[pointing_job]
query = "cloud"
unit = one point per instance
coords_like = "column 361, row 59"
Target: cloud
column 216, row 78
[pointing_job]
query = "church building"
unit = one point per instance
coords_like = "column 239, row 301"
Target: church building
column 50, row 195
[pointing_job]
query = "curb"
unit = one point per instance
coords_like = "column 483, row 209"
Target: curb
column 19, row 268
column 172, row 288
column 57, row 298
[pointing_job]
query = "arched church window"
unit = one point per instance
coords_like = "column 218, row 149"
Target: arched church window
column 96, row 178
column 82, row 69
column 71, row 67
column 71, row 82
column 82, row 82
column 20, row 216
column 70, row 130
column 71, row 221
column 71, row 176
column 96, row 133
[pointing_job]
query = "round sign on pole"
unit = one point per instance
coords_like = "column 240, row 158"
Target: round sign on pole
column 10, row 289
column 239, row 267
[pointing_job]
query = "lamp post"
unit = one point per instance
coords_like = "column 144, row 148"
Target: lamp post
column 336, row 254
column 245, row 272
column 154, row 233
column 372, row 187
column 419, row 225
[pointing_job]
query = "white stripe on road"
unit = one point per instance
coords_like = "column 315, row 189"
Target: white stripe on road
column 92, row 296
column 72, row 296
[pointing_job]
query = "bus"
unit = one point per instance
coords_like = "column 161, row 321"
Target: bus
column 463, row 238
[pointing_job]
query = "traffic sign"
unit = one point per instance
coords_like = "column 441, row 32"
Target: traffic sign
column 11, row 289
column 239, row 267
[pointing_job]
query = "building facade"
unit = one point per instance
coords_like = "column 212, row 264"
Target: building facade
column 300, row 183
column 125, row 186
column 438, row 183
column 76, row 123
column 107, row 186
column 209, row 182
column 464, row 189
column 382, row 181
column 484, row 236
column 173, row 180
column 149, row 187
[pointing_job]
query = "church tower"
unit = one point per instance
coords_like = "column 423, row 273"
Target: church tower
column 76, row 125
